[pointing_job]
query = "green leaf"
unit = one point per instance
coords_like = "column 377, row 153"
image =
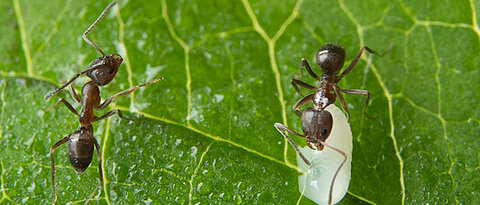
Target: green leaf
column 206, row 134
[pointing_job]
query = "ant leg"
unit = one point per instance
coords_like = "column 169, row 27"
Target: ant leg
column 338, row 170
column 296, row 83
column 336, row 89
column 281, row 128
column 95, row 23
column 67, row 104
column 127, row 91
column 60, row 142
column 100, row 173
column 302, row 101
column 74, row 94
column 361, row 92
column 305, row 64
column 355, row 60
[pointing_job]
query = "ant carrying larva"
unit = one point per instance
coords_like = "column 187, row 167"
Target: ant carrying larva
column 317, row 122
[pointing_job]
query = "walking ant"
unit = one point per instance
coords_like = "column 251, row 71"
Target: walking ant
column 81, row 143
column 317, row 122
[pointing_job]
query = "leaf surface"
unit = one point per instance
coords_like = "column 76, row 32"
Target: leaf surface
column 205, row 134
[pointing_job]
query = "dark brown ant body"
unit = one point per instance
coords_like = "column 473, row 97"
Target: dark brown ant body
column 82, row 142
column 330, row 58
column 317, row 122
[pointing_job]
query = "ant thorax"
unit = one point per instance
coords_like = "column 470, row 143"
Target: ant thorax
column 323, row 96
column 320, row 100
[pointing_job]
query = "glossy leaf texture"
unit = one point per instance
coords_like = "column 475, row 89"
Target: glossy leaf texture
column 205, row 134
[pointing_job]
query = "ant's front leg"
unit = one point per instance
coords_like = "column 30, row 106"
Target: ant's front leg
column 301, row 102
column 282, row 128
column 296, row 83
column 305, row 64
column 66, row 103
column 122, row 93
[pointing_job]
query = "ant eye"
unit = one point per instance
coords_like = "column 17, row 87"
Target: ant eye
column 111, row 71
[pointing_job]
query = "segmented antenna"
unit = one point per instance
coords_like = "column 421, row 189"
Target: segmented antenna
column 51, row 93
column 95, row 23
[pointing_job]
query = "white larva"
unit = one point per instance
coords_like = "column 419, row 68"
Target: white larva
column 315, row 183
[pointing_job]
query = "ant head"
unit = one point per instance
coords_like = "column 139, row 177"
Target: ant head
column 80, row 149
column 316, row 126
column 330, row 58
column 104, row 68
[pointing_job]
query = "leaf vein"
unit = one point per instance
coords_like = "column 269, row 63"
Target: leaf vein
column 55, row 27
column 273, row 62
column 195, row 173
column 23, row 37
column 386, row 92
column 442, row 120
column 186, row 50
column 213, row 137
column 104, row 148
column 474, row 20
column 5, row 196
column 123, row 50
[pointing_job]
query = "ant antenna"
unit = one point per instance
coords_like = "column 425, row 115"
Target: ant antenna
column 338, row 170
column 50, row 94
column 93, row 25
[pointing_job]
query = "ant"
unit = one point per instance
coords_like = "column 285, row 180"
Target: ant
column 317, row 122
column 81, row 142
column 330, row 58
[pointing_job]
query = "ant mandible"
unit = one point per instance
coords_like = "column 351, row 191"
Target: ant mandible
column 81, row 142
column 330, row 58
column 317, row 122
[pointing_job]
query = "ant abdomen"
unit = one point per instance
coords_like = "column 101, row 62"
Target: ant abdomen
column 80, row 150
column 330, row 58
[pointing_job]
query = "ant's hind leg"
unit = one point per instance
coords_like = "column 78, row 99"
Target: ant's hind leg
column 100, row 173
column 367, row 98
column 305, row 64
column 122, row 93
column 355, row 60
column 60, row 142
column 282, row 128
